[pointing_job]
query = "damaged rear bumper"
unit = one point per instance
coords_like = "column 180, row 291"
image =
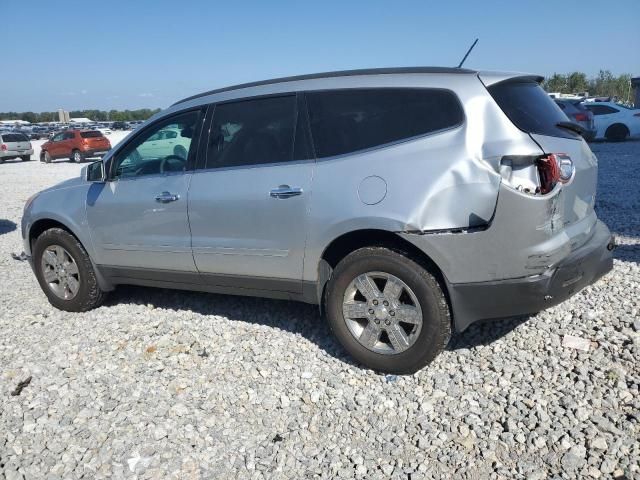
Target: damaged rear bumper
column 505, row 298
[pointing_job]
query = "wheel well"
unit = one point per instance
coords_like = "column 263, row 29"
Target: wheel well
column 617, row 125
column 41, row 226
column 349, row 242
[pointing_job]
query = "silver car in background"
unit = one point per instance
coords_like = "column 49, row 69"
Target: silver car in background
column 407, row 203
column 576, row 111
column 15, row 145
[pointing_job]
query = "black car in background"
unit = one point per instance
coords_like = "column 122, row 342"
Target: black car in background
column 119, row 126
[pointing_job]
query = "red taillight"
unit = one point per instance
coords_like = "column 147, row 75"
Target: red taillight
column 581, row 117
column 554, row 168
column 3, row 147
column 549, row 173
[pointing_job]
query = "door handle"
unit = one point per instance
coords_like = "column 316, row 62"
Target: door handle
column 285, row 191
column 166, row 197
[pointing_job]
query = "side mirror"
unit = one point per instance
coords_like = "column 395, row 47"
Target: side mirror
column 95, row 172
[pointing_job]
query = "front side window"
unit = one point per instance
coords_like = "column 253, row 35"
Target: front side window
column 252, row 132
column 344, row 121
column 162, row 148
column 57, row 137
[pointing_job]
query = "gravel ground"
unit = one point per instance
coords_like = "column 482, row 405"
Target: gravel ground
column 165, row 384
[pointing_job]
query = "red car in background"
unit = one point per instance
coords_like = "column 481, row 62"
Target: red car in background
column 76, row 145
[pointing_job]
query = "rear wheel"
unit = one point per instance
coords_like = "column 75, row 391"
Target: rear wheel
column 65, row 272
column 26, row 158
column 617, row 132
column 388, row 311
column 77, row 156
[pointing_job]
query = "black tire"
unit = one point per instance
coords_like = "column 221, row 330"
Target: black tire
column 77, row 156
column 45, row 157
column 617, row 132
column 25, row 158
column 89, row 295
column 436, row 326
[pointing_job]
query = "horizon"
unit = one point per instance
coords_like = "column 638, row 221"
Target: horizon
column 159, row 54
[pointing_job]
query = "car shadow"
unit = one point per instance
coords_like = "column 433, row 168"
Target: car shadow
column 289, row 316
column 485, row 332
column 7, row 226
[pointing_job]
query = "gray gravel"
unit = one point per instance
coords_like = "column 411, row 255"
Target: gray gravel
column 164, row 384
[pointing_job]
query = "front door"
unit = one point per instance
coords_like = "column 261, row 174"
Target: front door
column 138, row 218
column 248, row 206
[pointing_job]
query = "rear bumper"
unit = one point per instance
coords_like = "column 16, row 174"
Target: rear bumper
column 505, row 298
column 95, row 152
column 15, row 153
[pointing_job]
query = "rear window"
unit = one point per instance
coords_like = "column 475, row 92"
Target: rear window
column 530, row 108
column 91, row 134
column 344, row 121
column 14, row 137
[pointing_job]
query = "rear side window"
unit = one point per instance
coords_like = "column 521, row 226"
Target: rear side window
column 530, row 108
column 91, row 134
column 344, row 121
column 252, row 132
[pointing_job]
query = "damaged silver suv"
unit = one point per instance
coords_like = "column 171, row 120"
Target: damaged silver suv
column 407, row 203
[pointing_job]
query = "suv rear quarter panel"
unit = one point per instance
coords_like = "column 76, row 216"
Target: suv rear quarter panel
column 442, row 181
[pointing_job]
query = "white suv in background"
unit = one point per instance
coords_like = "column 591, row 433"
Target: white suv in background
column 614, row 122
column 15, row 145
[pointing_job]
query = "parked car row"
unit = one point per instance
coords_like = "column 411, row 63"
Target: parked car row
column 602, row 120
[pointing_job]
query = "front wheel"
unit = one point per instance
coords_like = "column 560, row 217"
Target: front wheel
column 388, row 312
column 45, row 157
column 65, row 273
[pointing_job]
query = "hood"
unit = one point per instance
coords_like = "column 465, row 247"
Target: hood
column 72, row 182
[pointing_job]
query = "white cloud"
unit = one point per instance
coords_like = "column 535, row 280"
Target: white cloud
column 146, row 95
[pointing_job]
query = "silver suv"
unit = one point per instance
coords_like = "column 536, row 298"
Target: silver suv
column 407, row 203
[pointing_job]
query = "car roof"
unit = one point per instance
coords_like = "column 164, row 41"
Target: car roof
column 341, row 73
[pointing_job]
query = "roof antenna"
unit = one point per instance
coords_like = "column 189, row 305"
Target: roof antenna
column 467, row 54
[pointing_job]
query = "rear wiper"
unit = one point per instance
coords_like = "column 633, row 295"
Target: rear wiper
column 574, row 127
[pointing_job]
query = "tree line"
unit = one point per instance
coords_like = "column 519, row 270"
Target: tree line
column 605, row 84
column 96, row 115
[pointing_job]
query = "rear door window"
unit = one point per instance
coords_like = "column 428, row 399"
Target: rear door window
column 252, row 132
column 530, row 108
column 344, row 121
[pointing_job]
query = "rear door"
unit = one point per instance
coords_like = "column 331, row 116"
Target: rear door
column 603, row 116
column 17, row 143
column 138, row 219
column 248, row 206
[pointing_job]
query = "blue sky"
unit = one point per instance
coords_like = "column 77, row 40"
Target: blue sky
column 138, row 53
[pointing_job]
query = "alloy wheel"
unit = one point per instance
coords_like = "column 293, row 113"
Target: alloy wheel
column 382, row 313
column 60, row 272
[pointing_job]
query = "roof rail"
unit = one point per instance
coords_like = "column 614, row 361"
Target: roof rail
column 340, row 73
